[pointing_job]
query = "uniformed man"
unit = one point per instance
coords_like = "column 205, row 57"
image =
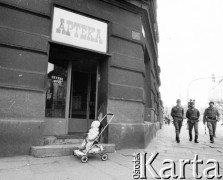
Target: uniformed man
column 177, row 112
column 193, row 115
column 211, row 116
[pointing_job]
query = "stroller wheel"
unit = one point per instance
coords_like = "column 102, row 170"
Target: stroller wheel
column 84, row 159
column 104, row 157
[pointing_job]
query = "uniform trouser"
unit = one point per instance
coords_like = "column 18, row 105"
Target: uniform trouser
column 212, row 127
column 191, row 126
column 177, row 124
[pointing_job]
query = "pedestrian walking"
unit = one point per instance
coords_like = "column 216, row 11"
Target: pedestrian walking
column 193, row 115
column 177, row 112
column 167, row 120
column 211, row 116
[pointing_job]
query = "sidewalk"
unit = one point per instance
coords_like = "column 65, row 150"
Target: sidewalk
column 119, row 165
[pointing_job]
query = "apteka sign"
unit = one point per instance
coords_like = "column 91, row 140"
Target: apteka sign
column 78, row 30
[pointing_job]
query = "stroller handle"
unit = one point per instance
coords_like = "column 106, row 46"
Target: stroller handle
column 106, row 124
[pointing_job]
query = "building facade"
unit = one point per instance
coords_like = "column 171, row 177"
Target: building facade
column 62, row 62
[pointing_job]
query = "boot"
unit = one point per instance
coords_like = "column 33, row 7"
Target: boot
column 178, row 139
column 190, row 135
column 195, row 140
column 211, row 139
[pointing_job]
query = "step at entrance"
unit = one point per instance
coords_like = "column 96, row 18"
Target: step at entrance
column 62, row 146
column 62, row 150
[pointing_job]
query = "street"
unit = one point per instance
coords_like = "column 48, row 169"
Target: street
column 119, row 165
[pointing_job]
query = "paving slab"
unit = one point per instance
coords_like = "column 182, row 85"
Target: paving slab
column 119, row 164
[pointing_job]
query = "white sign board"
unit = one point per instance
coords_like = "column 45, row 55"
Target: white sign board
column 75, row 29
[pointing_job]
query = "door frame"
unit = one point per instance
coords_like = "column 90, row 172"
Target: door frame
column 68, row 95
column 67, row 108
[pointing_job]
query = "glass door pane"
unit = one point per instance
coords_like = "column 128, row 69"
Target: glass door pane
column 79, row 92
column 56, row 91
column 92, row 102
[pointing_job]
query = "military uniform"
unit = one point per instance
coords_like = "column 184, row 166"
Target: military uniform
column 211, row 115
column 193, row 115
column 177, row 113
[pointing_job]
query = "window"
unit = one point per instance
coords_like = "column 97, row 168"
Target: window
column 56, row 91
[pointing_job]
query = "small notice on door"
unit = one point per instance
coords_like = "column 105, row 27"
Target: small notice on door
column 76, row 102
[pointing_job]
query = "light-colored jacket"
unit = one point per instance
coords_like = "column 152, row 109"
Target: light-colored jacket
column 94, row 131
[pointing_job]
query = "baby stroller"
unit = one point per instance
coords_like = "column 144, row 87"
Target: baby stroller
column 96, row 148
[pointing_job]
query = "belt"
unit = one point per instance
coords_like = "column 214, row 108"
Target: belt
column 194, row 119
column 211, row 118
column 178, row 117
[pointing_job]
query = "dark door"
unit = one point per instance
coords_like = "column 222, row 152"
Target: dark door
column 82, row 101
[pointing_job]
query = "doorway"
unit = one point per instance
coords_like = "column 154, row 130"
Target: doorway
column 72, row 89
column 82, row 109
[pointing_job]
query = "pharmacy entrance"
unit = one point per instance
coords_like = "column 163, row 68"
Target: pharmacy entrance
column 72, row 87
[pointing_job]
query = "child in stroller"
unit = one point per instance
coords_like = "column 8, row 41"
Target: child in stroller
column 90, row 144
column 91, row 137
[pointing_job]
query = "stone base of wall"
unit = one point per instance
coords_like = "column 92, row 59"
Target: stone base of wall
column 54, row 126
column 17, row 136
column 132, row 135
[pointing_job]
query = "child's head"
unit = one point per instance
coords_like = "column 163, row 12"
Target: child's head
column 95, row 124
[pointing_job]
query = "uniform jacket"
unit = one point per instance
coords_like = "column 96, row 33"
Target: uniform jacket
column 193, row 115
column 177, row 113
column 211, row 114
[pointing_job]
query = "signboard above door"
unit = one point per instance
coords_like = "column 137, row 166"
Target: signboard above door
column 78, row 30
